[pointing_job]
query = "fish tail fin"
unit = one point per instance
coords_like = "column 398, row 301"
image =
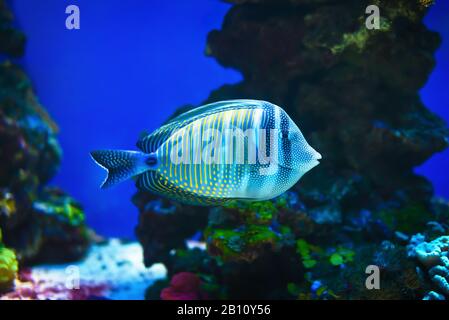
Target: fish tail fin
column 122, row 164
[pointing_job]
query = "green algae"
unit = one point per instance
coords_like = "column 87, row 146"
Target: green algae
column 341, row 256
column 311, row 255
column 359, row 38
column 8, row 266
column 304, row 249
column 260, row 211
column 62, row 207
column 240, row 243
column 408, row 219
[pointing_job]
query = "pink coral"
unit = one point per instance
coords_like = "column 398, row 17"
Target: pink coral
column 184, row 286
column 29, row 288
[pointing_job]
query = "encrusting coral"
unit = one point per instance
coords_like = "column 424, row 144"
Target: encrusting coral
column 434, row 257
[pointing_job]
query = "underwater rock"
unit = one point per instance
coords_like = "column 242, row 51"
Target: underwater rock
column 165, row 227
column 12, row 41
column 39, row 223
column 355, row 94
column 63, row 233
column 303, row 72
column 328, row 214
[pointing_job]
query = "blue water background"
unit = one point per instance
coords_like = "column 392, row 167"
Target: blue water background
column 128, row 68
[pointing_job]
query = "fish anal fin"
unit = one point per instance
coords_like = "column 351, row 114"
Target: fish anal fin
column 154, row 182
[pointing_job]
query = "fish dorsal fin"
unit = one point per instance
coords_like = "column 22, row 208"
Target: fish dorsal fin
column 219, row 106
column 152, row 142
column 158, row 184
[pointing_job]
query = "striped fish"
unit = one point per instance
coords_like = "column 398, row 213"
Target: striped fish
column 236, row 149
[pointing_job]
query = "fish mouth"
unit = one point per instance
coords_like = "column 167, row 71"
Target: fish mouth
column 315, row 154
column 317, row 157
column 312, row 162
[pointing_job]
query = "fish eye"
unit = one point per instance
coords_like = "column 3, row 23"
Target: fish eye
column 285, row 134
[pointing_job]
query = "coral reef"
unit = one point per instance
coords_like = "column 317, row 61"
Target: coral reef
column 183, row 286
column 28, row 288
column 433, row 257
column 354, row 93
column 111, row 270
column 39, row 223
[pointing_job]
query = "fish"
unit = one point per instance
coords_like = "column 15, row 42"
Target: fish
column 243, row 149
